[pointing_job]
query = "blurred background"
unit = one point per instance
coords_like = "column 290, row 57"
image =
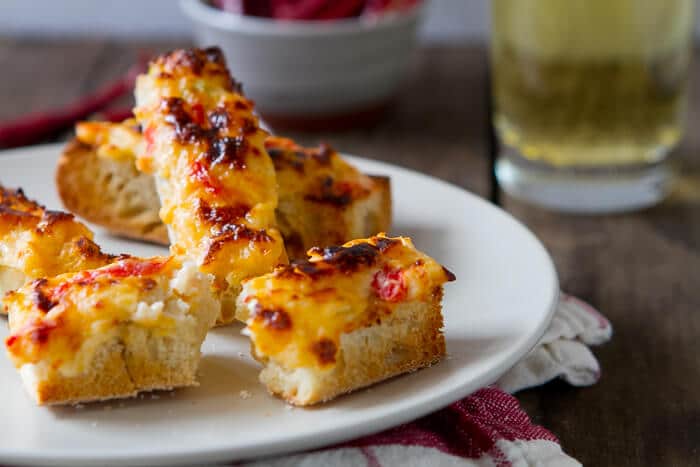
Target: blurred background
column 447, row 20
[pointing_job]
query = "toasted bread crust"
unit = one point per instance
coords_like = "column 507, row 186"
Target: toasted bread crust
column 116, row 375
column 109, row 380
column 108, row 192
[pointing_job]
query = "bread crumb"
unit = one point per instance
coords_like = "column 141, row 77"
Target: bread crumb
column 94, row 424
column 155, row 396
column 79, row 406
column 245, row 394
column 107, row 407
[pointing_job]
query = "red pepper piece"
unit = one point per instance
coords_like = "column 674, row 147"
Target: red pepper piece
column 389, row 285
column 197, row 114
column 150, row 142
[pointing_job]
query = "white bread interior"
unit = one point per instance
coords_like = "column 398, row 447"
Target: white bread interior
column 409, row 339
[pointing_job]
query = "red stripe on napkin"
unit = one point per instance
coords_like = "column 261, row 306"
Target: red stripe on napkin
column 37, row 126
column 468, row 428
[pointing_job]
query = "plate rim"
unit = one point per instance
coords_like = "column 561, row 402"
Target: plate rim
column 303, row 442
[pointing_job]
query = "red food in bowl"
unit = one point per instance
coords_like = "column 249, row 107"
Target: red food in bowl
column 318, row 73
column 310, row 10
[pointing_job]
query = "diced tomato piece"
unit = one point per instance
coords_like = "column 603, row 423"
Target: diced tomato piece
column 389, row 285
column 131, row 268
column 10, row 341
column 120, row 269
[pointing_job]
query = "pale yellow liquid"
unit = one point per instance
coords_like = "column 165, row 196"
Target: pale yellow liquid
column 591, row 83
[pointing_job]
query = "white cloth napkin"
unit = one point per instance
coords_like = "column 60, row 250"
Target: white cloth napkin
column 563, row 350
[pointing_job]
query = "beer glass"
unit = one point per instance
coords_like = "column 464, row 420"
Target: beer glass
column 589, row 98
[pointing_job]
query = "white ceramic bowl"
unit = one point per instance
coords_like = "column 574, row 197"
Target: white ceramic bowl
column 311, row 69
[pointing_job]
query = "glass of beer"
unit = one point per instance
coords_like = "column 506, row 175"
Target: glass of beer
column 589, row 99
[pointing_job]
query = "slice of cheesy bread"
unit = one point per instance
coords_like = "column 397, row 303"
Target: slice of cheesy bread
column 214, row 178
column 347, row 317
column 323, row 200
column 36, row 242
column 134, row 325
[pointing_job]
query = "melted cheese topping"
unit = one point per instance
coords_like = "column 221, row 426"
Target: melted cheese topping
column 41, row 243
column 316, row 174
column 116, row 141
column 60, row 323
column 319, row 192
column 215, row 180
column 296, row 314
column 320, row 196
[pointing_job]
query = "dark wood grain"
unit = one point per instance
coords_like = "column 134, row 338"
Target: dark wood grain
column 436, row 126
column 640, row 269
column 40, row 75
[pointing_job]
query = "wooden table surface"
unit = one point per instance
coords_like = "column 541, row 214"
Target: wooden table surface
column 642, row 269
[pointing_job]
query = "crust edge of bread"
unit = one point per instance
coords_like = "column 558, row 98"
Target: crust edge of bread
column 114, row 374
column 411, row 339
column 75, row 195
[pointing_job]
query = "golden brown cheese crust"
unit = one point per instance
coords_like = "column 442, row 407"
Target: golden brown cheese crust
column 297, row 314
column 145, row 317
column 323, row 200
column 39, row 243
column 116, row 141
column 215, row 180
column 52, row 317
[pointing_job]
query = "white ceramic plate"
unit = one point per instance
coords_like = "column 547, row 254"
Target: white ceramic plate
column 499, row 306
